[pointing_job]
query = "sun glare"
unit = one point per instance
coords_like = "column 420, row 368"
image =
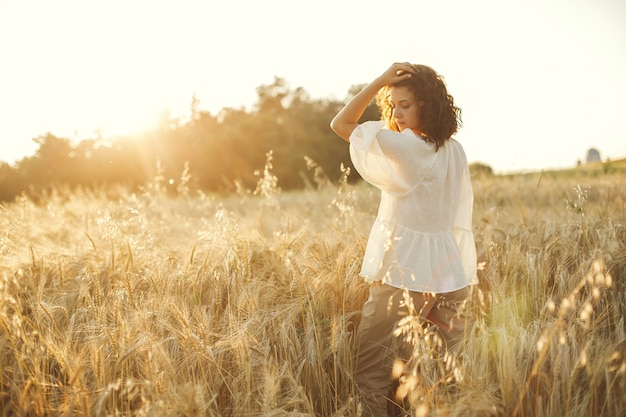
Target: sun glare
column 111, row 117
column 128, row 121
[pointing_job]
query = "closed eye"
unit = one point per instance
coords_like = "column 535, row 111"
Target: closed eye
column 405, row 104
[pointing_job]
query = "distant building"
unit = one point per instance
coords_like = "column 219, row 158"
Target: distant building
column 593, row 155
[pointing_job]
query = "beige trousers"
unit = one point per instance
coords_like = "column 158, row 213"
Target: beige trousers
column 381, row 313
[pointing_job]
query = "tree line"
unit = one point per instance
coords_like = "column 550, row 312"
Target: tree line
column 213, row 152
column 209, row 152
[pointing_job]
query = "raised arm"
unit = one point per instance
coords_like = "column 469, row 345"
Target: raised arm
column 344, row 123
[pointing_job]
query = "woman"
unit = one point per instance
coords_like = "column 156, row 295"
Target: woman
column 421, row 240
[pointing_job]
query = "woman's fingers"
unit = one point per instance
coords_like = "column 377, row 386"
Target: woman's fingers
column 397, row 72
column 404, row 67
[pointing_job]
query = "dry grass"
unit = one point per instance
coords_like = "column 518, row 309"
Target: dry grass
column 141, row 304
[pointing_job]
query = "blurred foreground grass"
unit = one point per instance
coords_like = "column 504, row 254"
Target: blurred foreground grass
column 114, row 303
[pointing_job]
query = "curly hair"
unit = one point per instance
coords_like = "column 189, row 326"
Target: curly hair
column 440, row 118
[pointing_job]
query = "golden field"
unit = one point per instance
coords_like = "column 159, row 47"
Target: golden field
column 146, row 304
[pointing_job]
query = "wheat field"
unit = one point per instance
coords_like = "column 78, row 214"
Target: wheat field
column 146, row 304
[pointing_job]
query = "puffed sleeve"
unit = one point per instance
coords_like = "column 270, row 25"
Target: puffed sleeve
column 391, row 161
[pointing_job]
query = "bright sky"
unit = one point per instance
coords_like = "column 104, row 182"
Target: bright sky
column 539, row 81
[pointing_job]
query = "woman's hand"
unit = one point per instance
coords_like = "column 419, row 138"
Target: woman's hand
column 395, row 73
column 346, row 120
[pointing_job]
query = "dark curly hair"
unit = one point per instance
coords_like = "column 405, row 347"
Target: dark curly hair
column 439, row 116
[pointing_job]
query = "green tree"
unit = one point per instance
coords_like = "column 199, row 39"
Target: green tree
column 219, row 150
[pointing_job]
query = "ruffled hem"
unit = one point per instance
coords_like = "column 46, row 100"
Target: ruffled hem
column 422, row 262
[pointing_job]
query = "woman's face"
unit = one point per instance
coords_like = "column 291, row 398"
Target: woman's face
column 406, row 108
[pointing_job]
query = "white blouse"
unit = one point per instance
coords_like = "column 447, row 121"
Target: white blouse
column 422, row 238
